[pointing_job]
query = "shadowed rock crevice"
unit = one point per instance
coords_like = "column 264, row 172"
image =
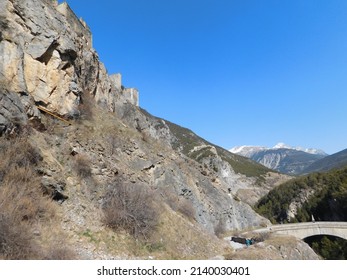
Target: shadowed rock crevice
column 47, row 55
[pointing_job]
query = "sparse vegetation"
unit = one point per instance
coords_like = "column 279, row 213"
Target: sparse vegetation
column 131, row 208
column 23, row 208
column 201, row 154
column 187, row 140
column 16, row 240
column 60, row 252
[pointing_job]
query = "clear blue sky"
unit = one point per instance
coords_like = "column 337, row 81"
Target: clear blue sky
column 236, row 72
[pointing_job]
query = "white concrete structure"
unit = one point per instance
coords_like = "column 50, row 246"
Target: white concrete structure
column 303, row 230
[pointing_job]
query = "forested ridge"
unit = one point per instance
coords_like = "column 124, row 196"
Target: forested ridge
column 326, row 198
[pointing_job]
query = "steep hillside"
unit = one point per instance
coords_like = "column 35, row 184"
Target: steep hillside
column 282, row 158
column 247, row 180
column 199, row 149
column 333, row 161
column 117, row 182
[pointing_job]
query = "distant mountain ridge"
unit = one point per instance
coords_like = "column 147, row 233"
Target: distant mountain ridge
column 334, row 161
column 282, row 157
column 248, row 151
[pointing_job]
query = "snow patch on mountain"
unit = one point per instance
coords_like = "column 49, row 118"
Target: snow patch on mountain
column 249, row 151
column 282, row 157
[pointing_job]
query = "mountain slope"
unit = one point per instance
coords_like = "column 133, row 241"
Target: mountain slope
column 197, row 148
column 281, row 157
column 93, row 140
column 334, row 161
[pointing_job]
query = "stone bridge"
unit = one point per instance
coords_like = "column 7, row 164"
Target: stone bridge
column 303, row 230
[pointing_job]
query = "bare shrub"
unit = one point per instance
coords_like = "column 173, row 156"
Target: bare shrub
column 20, row 189
column 59, row 251
column 17, row 151
column 82, row 166
column 131, row 208
column 16, row 240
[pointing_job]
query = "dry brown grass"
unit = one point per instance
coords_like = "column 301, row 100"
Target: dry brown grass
column 58, row 249
column 182, row 239
column 185, row 207
column 23, row 208
column 16, row 240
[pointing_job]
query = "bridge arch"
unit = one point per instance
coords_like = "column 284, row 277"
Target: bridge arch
column 322, row 235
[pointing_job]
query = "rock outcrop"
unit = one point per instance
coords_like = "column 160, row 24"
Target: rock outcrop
column 46, row 53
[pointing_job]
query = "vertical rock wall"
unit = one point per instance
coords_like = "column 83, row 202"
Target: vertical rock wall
column 46, row 55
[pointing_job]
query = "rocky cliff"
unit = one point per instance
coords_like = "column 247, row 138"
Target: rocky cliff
column 47, row 58
column 92, row 138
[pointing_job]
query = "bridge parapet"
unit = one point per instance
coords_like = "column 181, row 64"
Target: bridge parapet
column 303, row 230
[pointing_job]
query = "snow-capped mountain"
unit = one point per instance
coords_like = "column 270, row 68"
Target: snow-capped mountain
column 247, row 151
column 281, row 157
column 306, row 150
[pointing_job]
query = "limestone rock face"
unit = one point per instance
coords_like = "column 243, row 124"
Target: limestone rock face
column 210, row 184
column 46, row 52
